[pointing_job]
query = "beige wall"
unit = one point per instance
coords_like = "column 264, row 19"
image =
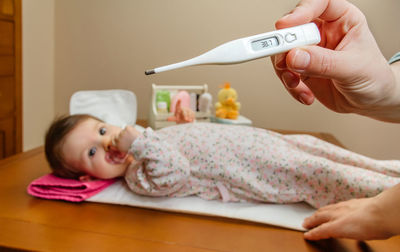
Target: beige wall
column 104, row 44
column 37, row 69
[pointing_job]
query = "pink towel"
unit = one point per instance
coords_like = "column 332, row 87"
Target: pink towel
column 53, row 187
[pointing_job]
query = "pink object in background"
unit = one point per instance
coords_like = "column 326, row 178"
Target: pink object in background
column 184, row 97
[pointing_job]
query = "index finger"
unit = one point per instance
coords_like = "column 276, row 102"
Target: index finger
column 317, row 219
column 309, row 10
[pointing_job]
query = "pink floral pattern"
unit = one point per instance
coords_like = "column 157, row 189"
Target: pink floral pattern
column 240, row 163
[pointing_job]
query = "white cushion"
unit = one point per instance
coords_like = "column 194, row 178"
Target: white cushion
column 114, row 106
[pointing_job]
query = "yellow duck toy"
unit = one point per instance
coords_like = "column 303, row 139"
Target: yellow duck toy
column 227, row 107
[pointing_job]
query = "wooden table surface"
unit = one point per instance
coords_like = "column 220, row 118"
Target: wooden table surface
column 47, row 225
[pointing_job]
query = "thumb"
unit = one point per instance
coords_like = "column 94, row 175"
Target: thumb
column 320, row 62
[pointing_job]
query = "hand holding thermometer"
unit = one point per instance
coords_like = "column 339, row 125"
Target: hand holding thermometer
column 253, row 47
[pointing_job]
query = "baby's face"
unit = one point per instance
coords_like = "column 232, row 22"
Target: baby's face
column 87, row 148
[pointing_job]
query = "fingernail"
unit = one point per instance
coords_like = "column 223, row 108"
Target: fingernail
column 301, row 60
column 289, row 79
column 303, row 98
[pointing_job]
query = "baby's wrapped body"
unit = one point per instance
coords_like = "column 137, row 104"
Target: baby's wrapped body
column 239, row 163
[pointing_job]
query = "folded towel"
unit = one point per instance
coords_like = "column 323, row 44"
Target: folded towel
column 53, row 187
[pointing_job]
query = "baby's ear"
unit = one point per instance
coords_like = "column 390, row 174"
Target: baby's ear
column 85, row 178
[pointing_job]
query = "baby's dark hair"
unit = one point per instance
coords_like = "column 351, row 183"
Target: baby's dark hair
column 54, row 141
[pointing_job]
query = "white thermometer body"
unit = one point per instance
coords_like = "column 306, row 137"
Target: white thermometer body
column 253, row 47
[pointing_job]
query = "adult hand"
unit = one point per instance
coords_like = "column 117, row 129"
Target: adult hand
column 346, row 72
column 361, row 219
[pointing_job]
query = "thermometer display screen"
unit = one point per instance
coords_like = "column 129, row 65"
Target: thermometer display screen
column 264, row 43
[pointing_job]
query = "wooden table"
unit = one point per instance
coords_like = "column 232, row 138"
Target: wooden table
column 46, row 225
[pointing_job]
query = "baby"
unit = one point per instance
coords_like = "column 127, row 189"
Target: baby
column 215, row 162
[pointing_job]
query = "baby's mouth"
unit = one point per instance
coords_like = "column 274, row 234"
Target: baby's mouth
column 114, row 156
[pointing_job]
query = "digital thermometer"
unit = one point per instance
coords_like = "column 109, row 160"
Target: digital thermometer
column 253, row 47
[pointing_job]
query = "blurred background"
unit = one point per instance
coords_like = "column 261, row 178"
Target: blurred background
column 71, row 45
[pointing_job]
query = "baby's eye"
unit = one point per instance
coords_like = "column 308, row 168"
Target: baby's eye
column 92, row 151
column 102, row 131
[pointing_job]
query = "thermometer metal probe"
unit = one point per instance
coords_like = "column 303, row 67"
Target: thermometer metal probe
column 251, row 48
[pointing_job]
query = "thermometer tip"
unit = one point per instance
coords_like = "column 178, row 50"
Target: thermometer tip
column 148, row 72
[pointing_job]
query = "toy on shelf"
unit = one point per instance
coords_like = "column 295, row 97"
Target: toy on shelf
column 182, row 114
column 205, row 103
column 227, row 107
column 165, row 98
column 183, row 97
